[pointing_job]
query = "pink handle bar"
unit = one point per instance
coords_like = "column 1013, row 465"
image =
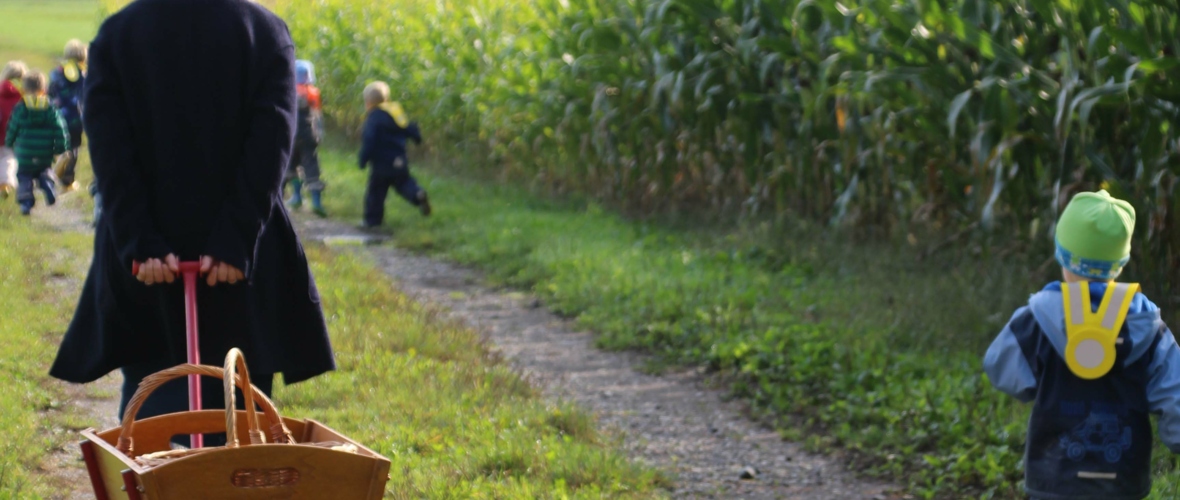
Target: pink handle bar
column 185, row 267
column 189, row 271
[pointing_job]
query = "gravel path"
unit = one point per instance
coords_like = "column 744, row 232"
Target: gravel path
column 672, row 421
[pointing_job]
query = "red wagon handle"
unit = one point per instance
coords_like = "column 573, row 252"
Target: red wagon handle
column 185, row 267
column 189, row 271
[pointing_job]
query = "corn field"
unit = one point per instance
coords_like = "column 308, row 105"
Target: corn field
column 874, row 113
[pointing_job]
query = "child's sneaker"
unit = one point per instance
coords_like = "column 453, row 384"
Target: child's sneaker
column 25, row 210
column 424, row 203
column 5, row 191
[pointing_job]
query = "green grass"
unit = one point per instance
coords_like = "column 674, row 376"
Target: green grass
column 36, row 31
column 861, row 341
column 37, row 263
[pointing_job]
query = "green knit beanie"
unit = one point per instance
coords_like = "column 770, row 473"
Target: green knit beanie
column 1094, row 235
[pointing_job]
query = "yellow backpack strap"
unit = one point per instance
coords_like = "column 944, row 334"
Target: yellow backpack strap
column 398, row 113
column 1112, row 313
column 1077, row 304
column 72, row 71
column 1091, row 336
column 36, row 102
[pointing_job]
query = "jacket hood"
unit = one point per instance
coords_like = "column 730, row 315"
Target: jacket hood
column 1143, row 318
column 38, row 111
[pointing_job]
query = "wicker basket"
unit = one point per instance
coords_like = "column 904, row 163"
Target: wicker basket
column 292, row 459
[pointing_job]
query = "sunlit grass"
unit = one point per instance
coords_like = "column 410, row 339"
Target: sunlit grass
column 36, row 31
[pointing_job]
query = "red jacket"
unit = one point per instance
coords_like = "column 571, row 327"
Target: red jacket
column 9, row 97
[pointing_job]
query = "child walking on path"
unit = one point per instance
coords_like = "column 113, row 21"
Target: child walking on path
column 10, row 78
column 1096, row 359
column 386, row 130
column 37, row 133
column 304, row 170
column 65, row 90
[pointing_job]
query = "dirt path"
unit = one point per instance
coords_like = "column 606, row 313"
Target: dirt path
column 672, row 421
column 91, row 405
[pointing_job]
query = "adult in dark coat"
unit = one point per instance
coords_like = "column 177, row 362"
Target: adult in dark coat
column 191, row 118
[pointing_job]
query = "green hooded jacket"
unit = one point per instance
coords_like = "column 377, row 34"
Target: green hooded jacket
column 37, row 133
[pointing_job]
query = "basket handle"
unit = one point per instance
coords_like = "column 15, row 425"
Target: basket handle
column 235, row 371
column 279, row 432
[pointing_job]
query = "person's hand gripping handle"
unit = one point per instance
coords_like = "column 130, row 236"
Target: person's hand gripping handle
column 165, row 270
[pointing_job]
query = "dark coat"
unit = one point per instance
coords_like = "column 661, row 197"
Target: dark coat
column 191, row 117
column 384, row 140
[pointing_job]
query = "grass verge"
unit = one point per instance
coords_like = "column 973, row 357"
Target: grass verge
column 40, row 268
column 879, row 351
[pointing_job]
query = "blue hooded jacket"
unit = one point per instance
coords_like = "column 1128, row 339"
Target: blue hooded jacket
column 67, row 94
column 1089, row 439
column 385, row 136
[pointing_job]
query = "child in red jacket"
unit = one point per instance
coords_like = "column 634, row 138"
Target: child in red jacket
column 10, row 95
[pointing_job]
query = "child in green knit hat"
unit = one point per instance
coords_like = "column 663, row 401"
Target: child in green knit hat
column 1096, row 359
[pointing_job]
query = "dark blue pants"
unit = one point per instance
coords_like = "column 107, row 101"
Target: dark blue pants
column 172, row 397
column 25, row 185
column 305, row 164
column 381, row 180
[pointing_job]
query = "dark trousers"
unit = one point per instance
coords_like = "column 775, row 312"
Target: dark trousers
column 381, row 180
column 305, row 164
column 67, row 174
column 172, row 397
column 25, row 184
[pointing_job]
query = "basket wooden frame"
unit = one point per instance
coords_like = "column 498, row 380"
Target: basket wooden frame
column 282, row 463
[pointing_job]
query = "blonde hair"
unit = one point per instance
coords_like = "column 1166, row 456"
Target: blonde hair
column 376, row 93
column 14, row 69
column 76, row 50
column 34, row 83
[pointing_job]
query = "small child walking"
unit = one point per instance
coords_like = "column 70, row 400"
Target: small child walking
column 65, row 92
column 304, row 170
column 387, row 128
column 1095, row 359
column 36, row 133
column 10, row 78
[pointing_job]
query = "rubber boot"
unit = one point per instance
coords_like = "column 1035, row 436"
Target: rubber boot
column 317, row 203
column 296, row 200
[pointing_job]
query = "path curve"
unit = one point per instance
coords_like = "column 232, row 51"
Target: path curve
column 672, row 421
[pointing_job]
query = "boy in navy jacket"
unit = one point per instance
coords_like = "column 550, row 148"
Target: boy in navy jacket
column 385, row 134
column 1097, row 361
column 65, row 90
